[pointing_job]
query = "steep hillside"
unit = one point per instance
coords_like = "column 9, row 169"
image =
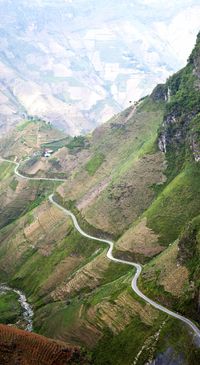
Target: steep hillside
column 172, row 218
column 121, row 170
column 137, row 179
column 76, row 284
column 126, row 146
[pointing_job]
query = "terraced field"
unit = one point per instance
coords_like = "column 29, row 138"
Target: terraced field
column 20, row 347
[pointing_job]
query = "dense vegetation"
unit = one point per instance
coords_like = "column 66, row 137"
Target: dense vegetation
column 77, row 143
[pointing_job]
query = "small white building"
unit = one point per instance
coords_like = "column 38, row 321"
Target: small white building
column 48, row 152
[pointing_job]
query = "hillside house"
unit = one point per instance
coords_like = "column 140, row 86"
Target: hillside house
column 47, row 152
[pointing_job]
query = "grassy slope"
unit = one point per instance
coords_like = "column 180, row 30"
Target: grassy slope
column 177, row 204
column 5, row 170
column 118, row 156
column 10, row 309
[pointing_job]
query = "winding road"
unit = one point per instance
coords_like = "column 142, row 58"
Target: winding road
column 110, row 256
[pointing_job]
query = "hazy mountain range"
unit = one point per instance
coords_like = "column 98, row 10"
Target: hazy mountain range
column 76, row 63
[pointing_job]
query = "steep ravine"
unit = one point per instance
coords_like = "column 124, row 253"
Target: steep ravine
column 27, row 310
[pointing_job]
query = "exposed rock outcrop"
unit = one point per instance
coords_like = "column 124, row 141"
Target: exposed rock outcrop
column 180, row 128
column 159, row 93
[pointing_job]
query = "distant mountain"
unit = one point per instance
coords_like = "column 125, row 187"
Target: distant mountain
column 76, row 63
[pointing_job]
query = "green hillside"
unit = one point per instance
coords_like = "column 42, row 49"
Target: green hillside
column 135, row 179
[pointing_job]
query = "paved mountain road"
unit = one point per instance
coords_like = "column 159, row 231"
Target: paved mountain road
column 137, row 266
